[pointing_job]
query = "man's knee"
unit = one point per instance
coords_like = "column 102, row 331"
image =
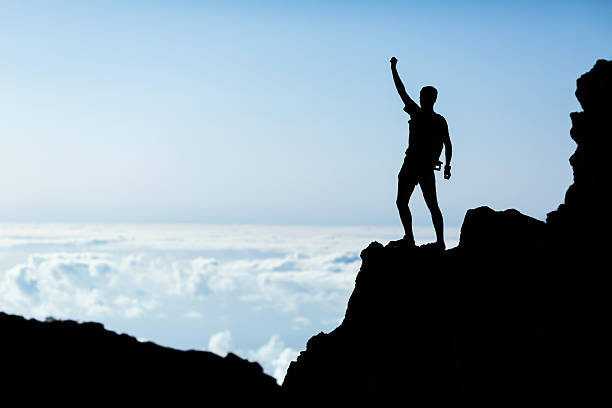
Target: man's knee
column 435, row 212
column 431, row 198
column 404, row 191
column 433, row 206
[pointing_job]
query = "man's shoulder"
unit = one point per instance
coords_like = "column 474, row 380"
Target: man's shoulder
column 439, row 117
column 441, row 122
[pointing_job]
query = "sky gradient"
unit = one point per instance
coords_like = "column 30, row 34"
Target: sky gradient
column 205, row 174
column 282, row 113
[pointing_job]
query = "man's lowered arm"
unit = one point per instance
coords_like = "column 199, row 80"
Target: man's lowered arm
column 410, row 105
column 448, row 152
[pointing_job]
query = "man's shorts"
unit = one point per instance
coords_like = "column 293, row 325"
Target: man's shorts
column 414, row 174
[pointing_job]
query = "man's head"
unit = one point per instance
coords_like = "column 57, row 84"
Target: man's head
column 429, row 94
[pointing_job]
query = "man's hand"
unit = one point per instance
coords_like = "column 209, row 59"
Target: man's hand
column 393, row 61
column 447, row 173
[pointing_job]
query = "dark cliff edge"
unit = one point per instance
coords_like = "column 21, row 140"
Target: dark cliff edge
column 516, row 315
column 70, row 363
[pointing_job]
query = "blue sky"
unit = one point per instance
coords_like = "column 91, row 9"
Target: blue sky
column 282, row 112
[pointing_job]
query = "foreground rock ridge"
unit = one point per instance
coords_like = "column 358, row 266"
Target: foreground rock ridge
column 70, row 363
column 516, row 315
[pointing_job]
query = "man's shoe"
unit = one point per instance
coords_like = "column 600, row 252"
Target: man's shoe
column 437, row 246
column 405, row 242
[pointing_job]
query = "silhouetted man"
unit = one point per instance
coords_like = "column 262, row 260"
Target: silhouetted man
column 428, row 133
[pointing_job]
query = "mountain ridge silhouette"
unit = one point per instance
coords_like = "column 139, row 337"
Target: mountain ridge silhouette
column 73, row 363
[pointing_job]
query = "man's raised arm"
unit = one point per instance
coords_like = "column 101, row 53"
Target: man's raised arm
column 410, row 105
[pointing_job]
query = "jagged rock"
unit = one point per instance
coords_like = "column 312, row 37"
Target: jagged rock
column 516, row 315
column 83, row 364
column 484, row 228
column 582, row 219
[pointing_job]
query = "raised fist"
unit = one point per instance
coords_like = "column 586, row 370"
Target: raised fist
column 393, row 60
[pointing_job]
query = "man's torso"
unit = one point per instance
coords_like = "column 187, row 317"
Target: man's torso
column 425, row 140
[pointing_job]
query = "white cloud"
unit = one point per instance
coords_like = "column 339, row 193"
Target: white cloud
column 132, row 308
column 220, row 343
column 300, row 322
column 193, row 315
column 274, row 357
column 74, row 285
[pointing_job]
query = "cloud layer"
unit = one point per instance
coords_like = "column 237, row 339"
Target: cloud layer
column 259, row 290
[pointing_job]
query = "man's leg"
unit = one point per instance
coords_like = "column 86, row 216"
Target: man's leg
column 428, row 187
column 405, row 187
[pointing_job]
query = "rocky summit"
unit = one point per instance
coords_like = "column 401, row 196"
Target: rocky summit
column 516, row 315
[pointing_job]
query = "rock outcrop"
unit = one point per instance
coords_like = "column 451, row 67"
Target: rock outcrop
column 70, row 363
column 516, row 315
column 582, row 219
